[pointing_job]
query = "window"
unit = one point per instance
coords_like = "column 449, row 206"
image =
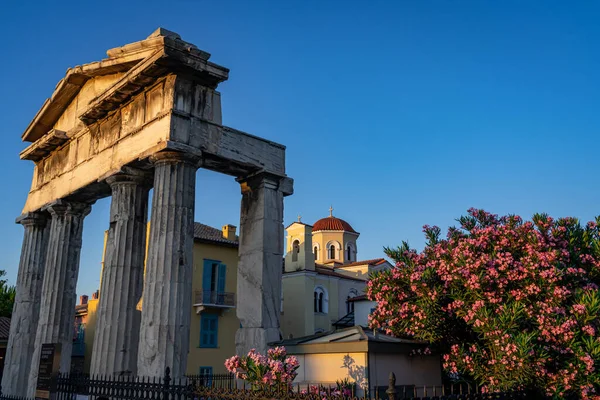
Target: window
column 316, row 253
column 332, row 252
column 206, row 376
column 350, row 252
column 321, row 300
column 209, row 329
column 349, row 305
column 214, row 275
column 295, row 250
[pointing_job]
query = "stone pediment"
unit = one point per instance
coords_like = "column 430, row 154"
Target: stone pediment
column 90, row 91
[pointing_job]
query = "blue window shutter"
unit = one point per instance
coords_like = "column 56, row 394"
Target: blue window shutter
column 222, row 275
column 215, row 331
column 209, row 330
column 206, row 275
column 207, row 374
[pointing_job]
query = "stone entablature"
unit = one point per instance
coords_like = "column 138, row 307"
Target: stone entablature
column 156, row 94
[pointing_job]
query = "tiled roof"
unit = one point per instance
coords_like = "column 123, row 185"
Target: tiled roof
column 209, row 234
column 375, row 261
column 332, row 224
column 322, row 270
column 347, row 335
column 298, row 222
column 4, row 328
column 359, row 298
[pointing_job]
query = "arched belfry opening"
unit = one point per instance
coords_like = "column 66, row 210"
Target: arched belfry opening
column 146, row 117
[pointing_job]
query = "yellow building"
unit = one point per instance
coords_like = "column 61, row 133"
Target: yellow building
column 321, row 274
column 213, row 323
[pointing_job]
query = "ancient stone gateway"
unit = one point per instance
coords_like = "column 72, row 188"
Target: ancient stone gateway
column 148, row 116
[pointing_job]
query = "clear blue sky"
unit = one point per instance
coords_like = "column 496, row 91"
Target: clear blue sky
column 399, row 113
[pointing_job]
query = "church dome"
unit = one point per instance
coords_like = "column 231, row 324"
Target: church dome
column 332, row 224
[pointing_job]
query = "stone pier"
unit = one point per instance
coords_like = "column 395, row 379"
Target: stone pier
column 118, row 326
column 167, row 305
column 24, row 321
column 151, row 106
column 260, row 265
column 58, row 297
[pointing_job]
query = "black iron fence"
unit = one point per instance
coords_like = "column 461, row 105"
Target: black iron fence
column 223, row 387
column 224, row 381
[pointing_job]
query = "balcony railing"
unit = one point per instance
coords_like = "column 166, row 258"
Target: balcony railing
column 214, row 299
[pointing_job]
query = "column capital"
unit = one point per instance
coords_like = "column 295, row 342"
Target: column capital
column 267, row 180
column 63, row 207
column 131, row 176
column 175, row 157
column 35, row 218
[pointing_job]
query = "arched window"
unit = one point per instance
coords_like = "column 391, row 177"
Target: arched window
column 321, row 300
column 333, row 250
column 349, row 305
column 350, row 252
column 316, row 253
column 295, row 250
column 352, row 293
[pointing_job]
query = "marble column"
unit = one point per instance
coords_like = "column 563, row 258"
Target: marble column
column 118, row 324
column 17, row 362
column 167, row 298
column 58, row 297
column 261, row 255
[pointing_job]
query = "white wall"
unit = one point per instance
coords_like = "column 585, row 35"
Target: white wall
column 328, row 368
column 362, row 309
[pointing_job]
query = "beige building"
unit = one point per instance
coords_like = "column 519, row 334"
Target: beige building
column 366, row 357
column 321, row 274
column 214, row 322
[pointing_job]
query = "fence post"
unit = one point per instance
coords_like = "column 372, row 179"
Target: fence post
column 391, row 391
column 166, row 382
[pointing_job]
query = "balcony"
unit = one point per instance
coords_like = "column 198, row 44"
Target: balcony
column 208, row 299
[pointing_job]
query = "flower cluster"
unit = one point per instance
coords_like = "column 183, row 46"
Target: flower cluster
column 276, row 369
column 342, row 389
column 514, row 303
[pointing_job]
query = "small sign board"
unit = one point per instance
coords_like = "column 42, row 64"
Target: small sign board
column 48, row 368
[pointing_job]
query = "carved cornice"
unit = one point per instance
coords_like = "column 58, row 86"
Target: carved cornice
column 45, row 145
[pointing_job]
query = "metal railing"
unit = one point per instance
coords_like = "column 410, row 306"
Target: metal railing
column 223, row 387
column 214, row 298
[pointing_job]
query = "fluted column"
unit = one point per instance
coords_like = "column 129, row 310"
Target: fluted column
column 57, row 307
column 24, row 320
column 118, row 324
column 259, row 269
column 167, row 307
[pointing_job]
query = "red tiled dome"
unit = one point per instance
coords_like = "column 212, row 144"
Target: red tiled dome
column 332, row 224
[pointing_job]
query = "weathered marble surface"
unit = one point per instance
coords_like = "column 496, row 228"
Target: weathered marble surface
column 24, row 321
column 118, row 326
column 260, row 266
column 165, row 325
column 151, row 104
column 58, row 297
